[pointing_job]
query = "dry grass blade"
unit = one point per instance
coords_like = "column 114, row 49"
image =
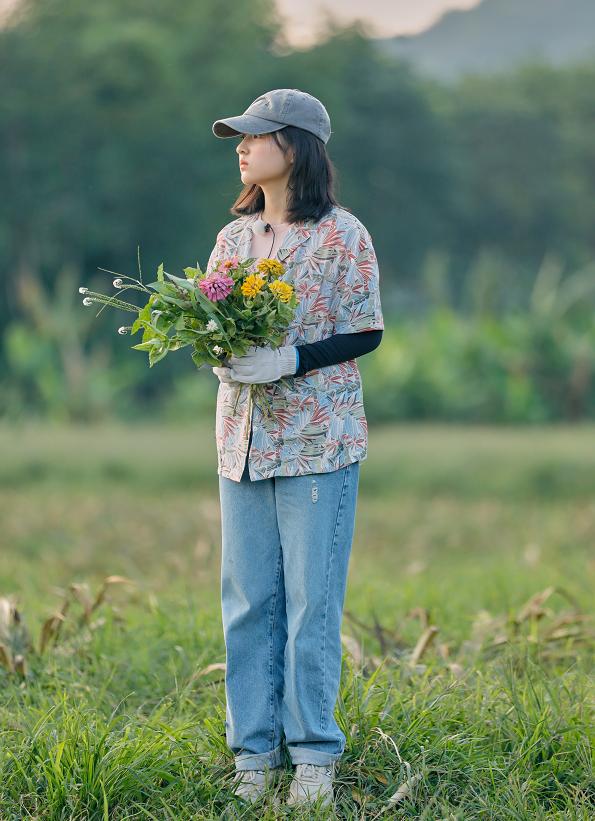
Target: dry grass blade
column 204, row 671
column 403, row 792
column 572, row 621
column 393, row 743
column 353, row 649
column 9, row 616
column 421, row 613
column 6, row 614
column 444, row 650
column 20, row 665
column 376, row 629
column 379, row 632
column 218, row 665
column 6, row 658
column 50, row 630
column 533, row 608
column 536, row 625
column 82, row 594
column 107, row 582
column 15, row 640
column 423, row 642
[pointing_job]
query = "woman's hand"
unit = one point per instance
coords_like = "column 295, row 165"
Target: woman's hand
column 261, row 365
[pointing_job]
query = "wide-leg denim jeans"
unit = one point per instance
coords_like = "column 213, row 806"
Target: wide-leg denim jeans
column 285, row 555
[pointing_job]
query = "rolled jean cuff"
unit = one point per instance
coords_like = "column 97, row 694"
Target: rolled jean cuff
column 303, row 755
column 260, row 761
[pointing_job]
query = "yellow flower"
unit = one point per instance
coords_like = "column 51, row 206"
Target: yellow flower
column 252, row 285
column 271, row 267
column 282, row 290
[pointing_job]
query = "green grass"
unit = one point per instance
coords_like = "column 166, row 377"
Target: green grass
column 457, row 529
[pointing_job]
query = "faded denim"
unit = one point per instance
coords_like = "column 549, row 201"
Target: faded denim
column 286, row 543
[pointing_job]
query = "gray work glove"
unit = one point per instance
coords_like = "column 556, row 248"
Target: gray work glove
column 260, row 365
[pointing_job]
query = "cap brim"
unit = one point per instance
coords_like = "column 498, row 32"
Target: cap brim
column 245, row 124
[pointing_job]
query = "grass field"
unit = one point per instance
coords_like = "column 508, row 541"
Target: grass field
column 467, row 630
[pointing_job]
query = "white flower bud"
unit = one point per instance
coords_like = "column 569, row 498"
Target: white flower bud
column 87, row 301
column 217, row 350
column 83, row 290
column 212, row 325
column 124, row 329
column 117, row 283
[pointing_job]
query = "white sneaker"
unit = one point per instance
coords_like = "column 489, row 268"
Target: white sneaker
column 310, row 782
column 251, row 784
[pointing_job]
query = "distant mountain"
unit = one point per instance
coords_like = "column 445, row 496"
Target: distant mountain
column 500, row 34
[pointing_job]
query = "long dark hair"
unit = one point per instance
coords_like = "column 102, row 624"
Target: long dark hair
column 310, row 184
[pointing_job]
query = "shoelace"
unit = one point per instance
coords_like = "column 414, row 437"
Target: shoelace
column 308, row 772
column 249, row 775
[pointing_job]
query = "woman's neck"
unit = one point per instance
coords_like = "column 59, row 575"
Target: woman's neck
column 274, row 210
column 274, row 224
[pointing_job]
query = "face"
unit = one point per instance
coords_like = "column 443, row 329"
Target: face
column 261, row 160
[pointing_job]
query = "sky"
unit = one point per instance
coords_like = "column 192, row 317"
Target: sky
column 384, row 18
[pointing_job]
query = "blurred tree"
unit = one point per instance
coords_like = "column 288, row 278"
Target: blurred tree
column 526, row 167
column 388, row 144
column 105, row 127
column 106, row 145
column 59, row 367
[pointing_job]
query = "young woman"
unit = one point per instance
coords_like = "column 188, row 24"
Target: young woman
column 288, row 482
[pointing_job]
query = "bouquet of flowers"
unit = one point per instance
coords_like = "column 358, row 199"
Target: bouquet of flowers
column 219, row 314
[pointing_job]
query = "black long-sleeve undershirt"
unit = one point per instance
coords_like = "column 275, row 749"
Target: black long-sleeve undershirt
column 335, row 349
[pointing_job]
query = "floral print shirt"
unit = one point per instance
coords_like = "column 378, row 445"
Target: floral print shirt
column 318, row 423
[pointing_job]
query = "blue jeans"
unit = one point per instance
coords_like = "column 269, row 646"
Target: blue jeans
column 285, row 555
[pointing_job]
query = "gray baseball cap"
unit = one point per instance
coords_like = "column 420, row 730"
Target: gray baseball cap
column 276, row 109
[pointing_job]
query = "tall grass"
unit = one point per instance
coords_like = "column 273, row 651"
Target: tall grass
column 467, row 634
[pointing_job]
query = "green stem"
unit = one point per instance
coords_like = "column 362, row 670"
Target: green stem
column 259, row 393
column 235, row 407
column 124, row 276
column 249, row 414
column 107, row 300
column 135, row 287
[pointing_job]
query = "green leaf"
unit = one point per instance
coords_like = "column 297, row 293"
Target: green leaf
column 204, row 356
column 188, row 337
column 150, row 332
column 205, row 303
column 160, row 273
column 191, row 273
column 164, row 288
column 238, row 347
column 174, row 300
column 155, row 355
column 181, row 283
column 144, row 316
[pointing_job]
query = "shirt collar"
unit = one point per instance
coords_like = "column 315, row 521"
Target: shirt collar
column 297, row 233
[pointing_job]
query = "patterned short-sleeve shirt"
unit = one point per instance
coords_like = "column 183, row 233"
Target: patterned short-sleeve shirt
column 318, row 422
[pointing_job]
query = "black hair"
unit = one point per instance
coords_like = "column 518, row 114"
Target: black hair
column 310, row 184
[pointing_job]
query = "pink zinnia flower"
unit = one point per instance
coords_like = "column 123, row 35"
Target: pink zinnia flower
column 216, row 286
column 232, row 262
